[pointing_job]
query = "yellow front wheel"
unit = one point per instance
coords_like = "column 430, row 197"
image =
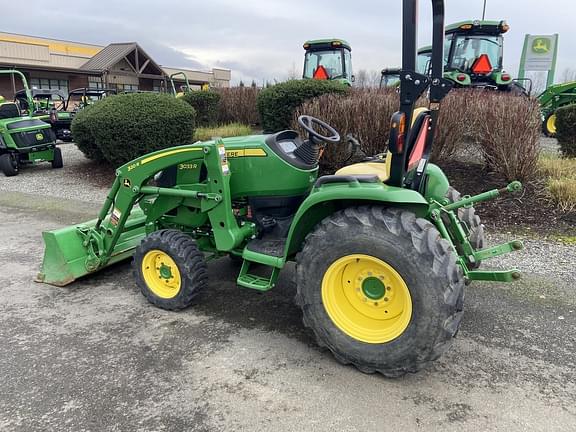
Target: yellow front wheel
column 161, row 274
column 169, row 269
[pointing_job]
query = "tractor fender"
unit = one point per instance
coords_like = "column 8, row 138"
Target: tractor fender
column 328, row 199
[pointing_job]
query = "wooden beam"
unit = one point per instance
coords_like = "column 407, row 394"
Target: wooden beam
column 144, row 66
column 131, row 65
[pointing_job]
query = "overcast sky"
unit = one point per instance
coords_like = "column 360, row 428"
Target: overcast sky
column 262, row 39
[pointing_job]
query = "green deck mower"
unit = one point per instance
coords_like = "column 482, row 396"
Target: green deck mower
column 474, row 53
column 24, row 139
column 328, row 59
column 383, row 249
column 50, row 106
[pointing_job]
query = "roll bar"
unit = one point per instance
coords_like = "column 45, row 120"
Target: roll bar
column 413, row 84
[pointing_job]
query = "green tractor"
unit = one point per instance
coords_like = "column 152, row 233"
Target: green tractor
column 49, row 106
column 390, row 78
column 551, row 99
column 328, row 59
column 24, row 139
column 383, row 249
column 473, row 56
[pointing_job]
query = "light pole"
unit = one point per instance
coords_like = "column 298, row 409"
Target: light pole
column 484, row 11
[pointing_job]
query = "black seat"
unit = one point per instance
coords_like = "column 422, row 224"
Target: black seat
column 9, row 110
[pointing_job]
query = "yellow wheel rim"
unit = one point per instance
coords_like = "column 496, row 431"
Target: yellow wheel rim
column 367, row 299
column 551, row 124
column 161, row 274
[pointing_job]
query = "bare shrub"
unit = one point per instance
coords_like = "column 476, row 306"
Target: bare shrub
column 363, row 113
column 507, row 129
column 238, row 105
column 455, row 130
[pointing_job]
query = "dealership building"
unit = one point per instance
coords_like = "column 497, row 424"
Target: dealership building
column 65, row 65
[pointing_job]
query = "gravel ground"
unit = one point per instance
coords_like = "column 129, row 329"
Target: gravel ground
column 539, row 257
column 77, row 180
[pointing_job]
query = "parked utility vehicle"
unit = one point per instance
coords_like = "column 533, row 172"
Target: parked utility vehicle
column 24, row 139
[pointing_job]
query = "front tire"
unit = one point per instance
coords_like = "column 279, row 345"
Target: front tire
column 169, row 269
column 57, row 161
column 9, row 165
column 380, row 289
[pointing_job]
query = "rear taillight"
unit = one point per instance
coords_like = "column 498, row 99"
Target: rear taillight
column 506, row 77
column 461, row 77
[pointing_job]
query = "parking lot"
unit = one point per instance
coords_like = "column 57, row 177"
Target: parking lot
column 96, row 356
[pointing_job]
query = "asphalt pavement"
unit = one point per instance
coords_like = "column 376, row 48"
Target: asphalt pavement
column 95, row 356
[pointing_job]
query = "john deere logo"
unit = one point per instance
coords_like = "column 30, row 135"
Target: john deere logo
column 39, row 137
column 541, row 45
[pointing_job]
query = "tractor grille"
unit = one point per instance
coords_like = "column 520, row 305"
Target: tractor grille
column 34, row 138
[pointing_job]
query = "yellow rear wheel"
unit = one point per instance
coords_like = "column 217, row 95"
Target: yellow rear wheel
column 367, row 299
column 551, row 125
column 380, row 289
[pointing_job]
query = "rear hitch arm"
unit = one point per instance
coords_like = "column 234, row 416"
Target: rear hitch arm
column 458, row 234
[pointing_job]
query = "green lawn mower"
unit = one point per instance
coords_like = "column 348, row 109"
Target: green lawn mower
column 24, row 139
column 49, row 106
column 383, row 249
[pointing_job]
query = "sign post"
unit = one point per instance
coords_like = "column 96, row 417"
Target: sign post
column 540, row 54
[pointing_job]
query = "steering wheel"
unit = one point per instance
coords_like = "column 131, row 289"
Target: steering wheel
column 309, row 122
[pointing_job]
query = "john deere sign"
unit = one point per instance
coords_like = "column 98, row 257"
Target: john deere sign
column 539, row 55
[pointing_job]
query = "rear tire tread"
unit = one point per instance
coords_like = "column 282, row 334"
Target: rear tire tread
column 439, row 257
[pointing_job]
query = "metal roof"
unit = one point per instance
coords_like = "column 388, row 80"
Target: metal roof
column 109, row 56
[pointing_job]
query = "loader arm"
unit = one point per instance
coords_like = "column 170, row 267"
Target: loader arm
column 76, row 251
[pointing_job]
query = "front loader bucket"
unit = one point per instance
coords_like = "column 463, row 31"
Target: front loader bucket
column 66, row 257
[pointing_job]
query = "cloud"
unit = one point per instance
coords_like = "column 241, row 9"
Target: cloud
column 262, row 40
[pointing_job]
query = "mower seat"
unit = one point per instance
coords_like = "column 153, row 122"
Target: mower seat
column 380, row 169
column 9, row 110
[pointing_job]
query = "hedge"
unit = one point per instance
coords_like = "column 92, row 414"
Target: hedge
column 276, row 104
column 121, row 128
column 500, row 128
column 566, row 130
column 205, row 103
column 82, row 134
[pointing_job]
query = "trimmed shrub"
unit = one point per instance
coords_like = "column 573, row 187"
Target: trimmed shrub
column 128, row 126
column 277, row 103
column 205, row 103
column 238, row 105
column 507, row 129
column 363, row 113
column 83, row 137
column 566, row 130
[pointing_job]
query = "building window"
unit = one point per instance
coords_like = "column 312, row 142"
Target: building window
column 126, row 87
column 49, row 84
column 95, row 83
column 158, row 86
